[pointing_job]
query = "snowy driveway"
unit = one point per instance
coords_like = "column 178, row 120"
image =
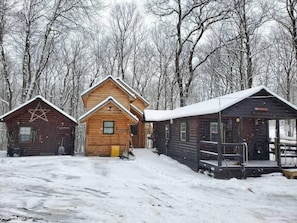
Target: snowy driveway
column 149, row 189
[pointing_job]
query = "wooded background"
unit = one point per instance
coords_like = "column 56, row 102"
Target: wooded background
column 173, row 52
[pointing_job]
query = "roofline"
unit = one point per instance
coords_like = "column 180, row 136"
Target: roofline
column 101, row 104
column 171, row 114
column 136, row 109
column 133, row 91
column 45, row 101
column 102, row 81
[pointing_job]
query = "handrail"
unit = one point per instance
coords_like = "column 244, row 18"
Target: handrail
column 244, row 146
column 287, row 150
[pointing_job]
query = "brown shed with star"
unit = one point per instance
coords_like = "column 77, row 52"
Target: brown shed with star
column 38, row 127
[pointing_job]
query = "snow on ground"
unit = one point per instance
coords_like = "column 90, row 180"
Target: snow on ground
column 149, row 189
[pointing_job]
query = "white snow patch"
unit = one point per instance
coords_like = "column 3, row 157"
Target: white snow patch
column 151, row 188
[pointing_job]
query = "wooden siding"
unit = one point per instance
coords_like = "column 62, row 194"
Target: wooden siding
column 183, row 151
column 138, row 140
column 46, row 136
column 99, row 144
column 276, row 109
column 139, row 104
column 109, row 88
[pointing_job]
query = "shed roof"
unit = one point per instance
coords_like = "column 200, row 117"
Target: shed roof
column 104, row 102
column 38, row 97
column 211, row 106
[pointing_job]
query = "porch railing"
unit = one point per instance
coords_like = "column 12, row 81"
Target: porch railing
column 288, row 152
column 230, row 151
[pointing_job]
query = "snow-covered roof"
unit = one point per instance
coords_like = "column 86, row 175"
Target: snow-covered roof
column 136, row 109
column 115, row 81
column 45, row 101
column 133, row 91
column 104, row 102
column 211, row 106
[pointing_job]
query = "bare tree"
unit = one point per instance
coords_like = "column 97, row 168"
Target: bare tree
column 285, row 14
column 163, row 82
column 191, row 20
column 248, row 17
column 7, row 95
column 43, row 24
column 124, row 20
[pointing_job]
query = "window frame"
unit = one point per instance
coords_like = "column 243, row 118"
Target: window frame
column 107, row 128
column 25, row 134
column 167, row 131
column 213, row 130
column 183, row 131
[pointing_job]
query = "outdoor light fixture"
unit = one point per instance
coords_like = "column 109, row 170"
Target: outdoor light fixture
column 237, row 119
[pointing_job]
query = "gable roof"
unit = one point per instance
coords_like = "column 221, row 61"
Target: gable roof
column 133, row 107
column 211, row 106
column 104, row 102
column 100, row 83
column 38, row 97
column 133, row 91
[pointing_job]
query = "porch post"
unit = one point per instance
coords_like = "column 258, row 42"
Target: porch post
column 241, row 139
column 277, row 143
column 296, row 132
column 219, row 140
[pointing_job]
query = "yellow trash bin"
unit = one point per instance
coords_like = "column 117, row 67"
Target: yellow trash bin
column 115, row 151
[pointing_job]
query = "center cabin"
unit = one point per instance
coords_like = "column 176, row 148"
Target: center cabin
column 229, row 135
column 114, row 117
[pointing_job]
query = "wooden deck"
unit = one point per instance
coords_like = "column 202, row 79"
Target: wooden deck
column 230, row 169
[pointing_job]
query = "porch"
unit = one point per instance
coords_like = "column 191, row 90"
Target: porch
column 234, row 160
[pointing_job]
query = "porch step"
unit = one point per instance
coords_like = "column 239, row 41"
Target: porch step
column 290, row 173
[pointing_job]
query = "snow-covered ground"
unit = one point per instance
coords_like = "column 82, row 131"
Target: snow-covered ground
column 149, row 189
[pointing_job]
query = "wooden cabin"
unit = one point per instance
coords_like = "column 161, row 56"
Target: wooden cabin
column 38, row 127
column 228, row 136
column 114, row 117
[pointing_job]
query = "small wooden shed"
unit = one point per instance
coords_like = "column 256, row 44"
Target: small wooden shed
column 38, row 127
column 228, row 135
column 114, row 117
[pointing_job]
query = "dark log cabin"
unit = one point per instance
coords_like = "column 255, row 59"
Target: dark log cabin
column 39, row 128
column 243, row 148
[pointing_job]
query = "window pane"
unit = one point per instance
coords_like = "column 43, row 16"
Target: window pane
column 213, row 131
column 183, row 131
column 108, row 124
column 25, row 134
column 167, row 131
column 108, row 127
column 108, row 130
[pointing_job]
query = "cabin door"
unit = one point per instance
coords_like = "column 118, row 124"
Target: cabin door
column 134, row 135
column 255, row 134
column 260, row 147
column 47, row 141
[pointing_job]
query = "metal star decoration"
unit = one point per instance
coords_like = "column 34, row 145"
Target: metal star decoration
column 38, row 113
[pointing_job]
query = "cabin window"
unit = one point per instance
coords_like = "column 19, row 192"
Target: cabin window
column 183, row 131
column 167, row 131
column 108, row 127
column 25, row 134
column 213, row 131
